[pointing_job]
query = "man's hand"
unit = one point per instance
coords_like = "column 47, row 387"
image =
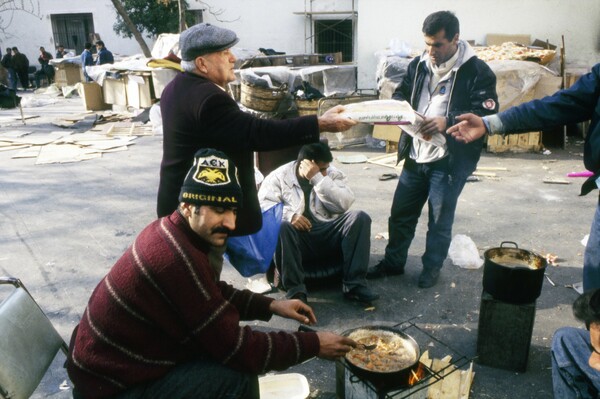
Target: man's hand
column 332, row 121
column 293, row 309
column 469, row 129
column 301, row 223
column 333, row 346
column 307, row 169
column 432, row 126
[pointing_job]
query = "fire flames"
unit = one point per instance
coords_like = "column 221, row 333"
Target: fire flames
column 416, row 374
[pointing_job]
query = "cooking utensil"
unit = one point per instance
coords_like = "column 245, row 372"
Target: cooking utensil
column 513, row 275
column 368, row 347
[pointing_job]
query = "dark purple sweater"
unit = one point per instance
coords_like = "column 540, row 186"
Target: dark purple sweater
column 196, row 114
column 160, row 306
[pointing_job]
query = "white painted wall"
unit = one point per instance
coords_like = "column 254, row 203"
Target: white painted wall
column 379, row 21
column 273, row 24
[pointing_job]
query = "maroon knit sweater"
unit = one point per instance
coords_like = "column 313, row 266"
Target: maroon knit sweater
column 160, row 306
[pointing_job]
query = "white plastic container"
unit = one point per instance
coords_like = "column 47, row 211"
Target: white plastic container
column 283, row 386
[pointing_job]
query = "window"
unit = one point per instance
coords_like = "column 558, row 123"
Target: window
column 72, row 30
column 332, row 36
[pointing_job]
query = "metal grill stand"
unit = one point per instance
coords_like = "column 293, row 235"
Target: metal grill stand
column 349, row 385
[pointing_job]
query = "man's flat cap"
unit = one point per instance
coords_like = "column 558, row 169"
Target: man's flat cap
column 203, row 39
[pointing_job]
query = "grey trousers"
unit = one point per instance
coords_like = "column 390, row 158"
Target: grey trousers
column 339, row 246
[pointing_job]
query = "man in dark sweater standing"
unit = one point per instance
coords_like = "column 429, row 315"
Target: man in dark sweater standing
column 197, row 113
column 162, row 325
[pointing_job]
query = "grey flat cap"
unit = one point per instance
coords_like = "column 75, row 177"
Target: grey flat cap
column 203, row 39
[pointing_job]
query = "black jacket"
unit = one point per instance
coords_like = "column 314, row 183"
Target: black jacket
column 474, row 90
column 196, row 114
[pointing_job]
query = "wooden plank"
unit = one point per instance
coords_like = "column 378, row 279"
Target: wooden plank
column 450, row 384
column 465, row 382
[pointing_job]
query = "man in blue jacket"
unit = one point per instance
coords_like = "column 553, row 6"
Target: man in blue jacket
column 104, row 56
column 445, row 81
column 87, row 60
column 580, row 102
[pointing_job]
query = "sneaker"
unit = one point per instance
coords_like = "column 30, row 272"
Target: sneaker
column 361, row 294
column 382, row 270
column 300, row 296
column 428, row 278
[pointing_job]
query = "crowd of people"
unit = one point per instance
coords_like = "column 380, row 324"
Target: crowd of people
column 161, row 323
column 19, row 71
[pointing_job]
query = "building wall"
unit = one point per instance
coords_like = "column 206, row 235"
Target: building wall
column 274, row 24
column 577, row 20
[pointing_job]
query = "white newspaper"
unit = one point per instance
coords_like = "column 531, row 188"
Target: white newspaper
column 392, row 112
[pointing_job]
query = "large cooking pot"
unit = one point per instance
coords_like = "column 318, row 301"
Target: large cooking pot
column 397, row 352
column 513, row 275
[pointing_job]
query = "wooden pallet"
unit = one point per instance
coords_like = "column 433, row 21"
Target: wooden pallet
column 523, row 142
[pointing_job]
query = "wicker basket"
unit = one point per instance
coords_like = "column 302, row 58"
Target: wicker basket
column 262, row 99
column 307, row 107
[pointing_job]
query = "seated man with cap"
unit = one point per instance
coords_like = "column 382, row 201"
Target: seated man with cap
column 162, row 325
column 198, row 113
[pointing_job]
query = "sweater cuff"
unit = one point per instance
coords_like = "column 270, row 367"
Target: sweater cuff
column 493, row 124
column 263, row 303
column 310, row 345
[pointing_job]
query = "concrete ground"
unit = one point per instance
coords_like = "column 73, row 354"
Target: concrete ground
column 63, row 226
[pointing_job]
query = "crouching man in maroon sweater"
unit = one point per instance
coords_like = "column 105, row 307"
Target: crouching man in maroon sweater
column 162, row 325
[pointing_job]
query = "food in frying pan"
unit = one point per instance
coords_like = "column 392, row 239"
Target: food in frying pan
column 392, row 353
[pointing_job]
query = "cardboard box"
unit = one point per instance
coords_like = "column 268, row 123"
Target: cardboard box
column 114, row 91
column 386, row 132
column 160, row 78
column 93, row 100
column 140, row 93
column 67, row 74
column 496, row 39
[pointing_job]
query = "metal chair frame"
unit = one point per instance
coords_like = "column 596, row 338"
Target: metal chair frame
column 28, row 382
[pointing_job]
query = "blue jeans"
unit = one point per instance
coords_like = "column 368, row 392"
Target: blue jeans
column 420, row 183
column 572, row 377
column 591, row 257
column 200, row 379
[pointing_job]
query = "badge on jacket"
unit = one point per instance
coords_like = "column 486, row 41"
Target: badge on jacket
column 489, row 104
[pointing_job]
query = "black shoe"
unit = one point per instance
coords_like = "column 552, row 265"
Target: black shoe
column 382, row 270
column 361, row 294
column 428, row 278
column 300, row 296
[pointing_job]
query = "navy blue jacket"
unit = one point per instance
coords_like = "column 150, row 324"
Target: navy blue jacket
column 105, row 57
column 580, row 102
column 474, row 86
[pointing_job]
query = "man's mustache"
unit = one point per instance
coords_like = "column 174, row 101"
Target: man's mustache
column 221, row 229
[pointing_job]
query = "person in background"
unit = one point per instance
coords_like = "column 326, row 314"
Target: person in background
column 445, row 81
column 21, row 66
column 197, row 113
column 46, row 70
column 576, row 352
column 162, row 324
column 104, row 56
column 87, row 60
column 8, row 64
column 578, row 103
column 318, row 230
column 60, row 51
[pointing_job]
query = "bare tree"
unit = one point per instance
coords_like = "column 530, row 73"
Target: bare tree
column 132, row 28
column 9, row 7
column 182, row 8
